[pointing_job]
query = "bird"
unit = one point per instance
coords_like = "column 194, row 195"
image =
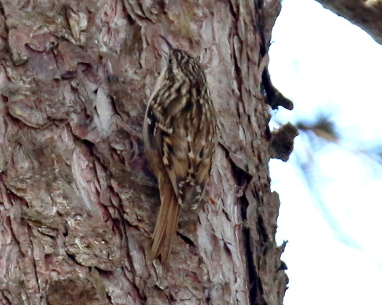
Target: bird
column 180, row 139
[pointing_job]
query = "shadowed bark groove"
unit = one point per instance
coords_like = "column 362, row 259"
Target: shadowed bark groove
column 78, row 203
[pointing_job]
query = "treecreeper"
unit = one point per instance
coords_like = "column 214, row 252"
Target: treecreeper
column 180, row 138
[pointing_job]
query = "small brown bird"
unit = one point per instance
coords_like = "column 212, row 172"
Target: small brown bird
column 180, row 140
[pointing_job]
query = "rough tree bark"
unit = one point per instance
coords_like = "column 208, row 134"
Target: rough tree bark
column 78, row 203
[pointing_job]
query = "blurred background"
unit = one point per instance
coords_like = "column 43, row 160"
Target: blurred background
column 330, row 189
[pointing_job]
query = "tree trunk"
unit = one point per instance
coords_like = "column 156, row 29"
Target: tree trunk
column 78, row 201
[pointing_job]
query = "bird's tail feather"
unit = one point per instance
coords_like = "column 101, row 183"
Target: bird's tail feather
column 167, row 222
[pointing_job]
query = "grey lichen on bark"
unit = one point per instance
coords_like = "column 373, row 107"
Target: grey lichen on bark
column 78, row 202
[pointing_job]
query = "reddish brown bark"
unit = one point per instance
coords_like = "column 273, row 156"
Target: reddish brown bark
column 78, row 202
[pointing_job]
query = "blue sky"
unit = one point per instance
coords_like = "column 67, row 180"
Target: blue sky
column 327, row 65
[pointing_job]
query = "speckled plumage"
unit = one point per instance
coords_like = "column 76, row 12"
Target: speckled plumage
column 180, row 140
